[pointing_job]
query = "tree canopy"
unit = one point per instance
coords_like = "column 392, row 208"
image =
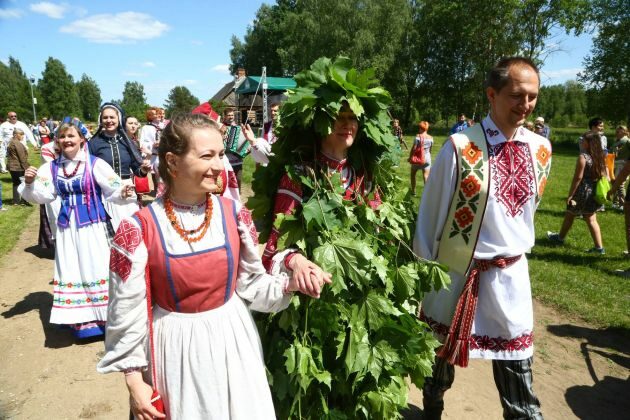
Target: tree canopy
column 134, row 101
column 180, row 100
column 89, row 98
column 59, row 93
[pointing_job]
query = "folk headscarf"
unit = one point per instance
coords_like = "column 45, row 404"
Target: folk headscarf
column 120, row 130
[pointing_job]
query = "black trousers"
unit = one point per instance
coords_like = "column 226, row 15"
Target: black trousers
column 15, row 179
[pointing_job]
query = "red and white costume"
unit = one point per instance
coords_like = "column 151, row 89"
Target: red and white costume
column 290, row 195
column 503, row 321
column 208, row 355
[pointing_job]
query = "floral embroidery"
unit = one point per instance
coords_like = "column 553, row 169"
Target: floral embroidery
column 543, row 164
column 491, row 132
column 464, row 217
column 472, row 153
column 70, row 285
column 470, row 186
column 468, row 197
column 114, row 181
column 44, row 180
column 128, row 236
column 543, row 155
column 63, row 301
column 513, row 175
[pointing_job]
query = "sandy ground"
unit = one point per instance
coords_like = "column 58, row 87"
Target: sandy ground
column 580, row 371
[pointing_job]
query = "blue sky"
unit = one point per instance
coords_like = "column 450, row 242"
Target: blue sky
column 161, row 44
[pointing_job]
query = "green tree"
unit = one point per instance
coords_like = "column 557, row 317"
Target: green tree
column 607, row 68
column 180, row 100
column 89, row 98
column 58, row 90
column 134, row 101
column 15, row 93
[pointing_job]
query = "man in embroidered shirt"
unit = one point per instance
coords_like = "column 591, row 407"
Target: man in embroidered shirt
column 6, row 134
column 476, row 217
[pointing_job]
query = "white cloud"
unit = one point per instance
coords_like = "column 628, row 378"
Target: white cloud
column 562, row 73
column 10, row 13
column 190, row 82
column 221, row 68
column 52, row 10
column 121, row 28
column 196, row 42
column 148, row 64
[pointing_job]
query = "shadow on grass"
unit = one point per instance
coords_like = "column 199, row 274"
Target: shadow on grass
column 574, row 258
column 607, row 398
column 40, row 252
column 550, row 212
column 413, row 412
column 55, row 337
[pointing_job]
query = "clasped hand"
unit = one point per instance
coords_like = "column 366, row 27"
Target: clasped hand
column 307, row 278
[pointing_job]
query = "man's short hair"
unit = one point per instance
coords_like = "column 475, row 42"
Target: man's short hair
column 228, row 110
column 540, row 120
column 594, row 122
column 499, row 75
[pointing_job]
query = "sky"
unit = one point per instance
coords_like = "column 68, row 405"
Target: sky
column 163, row 44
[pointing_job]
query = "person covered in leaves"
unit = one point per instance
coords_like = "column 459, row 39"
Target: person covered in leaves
column 191, row 257
column 477, row 217
column 330, row 196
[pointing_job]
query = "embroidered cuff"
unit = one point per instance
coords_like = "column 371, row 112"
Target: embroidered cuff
column 288, row 259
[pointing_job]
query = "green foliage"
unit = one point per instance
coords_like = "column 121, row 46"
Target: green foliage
column 15, row 93
column 347, row 354
column 134, row 101
column 89, row 98
column 563, row 105
column 607, row 69
column 58, row 91
column 180, row 100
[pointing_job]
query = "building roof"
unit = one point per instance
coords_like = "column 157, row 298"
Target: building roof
column 250, row 84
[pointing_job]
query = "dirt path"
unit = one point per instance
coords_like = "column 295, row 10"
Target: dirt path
column 580, row 371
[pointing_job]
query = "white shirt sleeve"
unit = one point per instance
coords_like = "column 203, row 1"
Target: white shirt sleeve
column 27, row 132
column 435, row 203
column 127, row 312
column 110, row 183
column 261, row 150
column 42, row 190
column 264, row 292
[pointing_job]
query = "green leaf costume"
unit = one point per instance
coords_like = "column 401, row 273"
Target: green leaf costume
column 347, row 354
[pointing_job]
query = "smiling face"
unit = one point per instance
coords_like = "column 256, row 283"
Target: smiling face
column 196, row 171
column 343, row 132
column 516, row 100
column 109, row 120
column 69, row 141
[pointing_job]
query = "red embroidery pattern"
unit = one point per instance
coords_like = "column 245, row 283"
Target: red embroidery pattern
column 128, row 236
column 464, row 217
column 119, row 264
column 232, row 181
column 478, row 342
column 513, row 175
column 245, row 217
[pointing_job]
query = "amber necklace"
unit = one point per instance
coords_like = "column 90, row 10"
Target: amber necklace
column 187, row 234
column 76, row 169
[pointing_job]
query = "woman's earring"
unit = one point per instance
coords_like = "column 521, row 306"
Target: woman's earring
column 220, row 183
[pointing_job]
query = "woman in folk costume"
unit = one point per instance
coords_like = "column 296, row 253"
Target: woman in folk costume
column 193, row 256
column 110, row 143
column 48, row 212
column 477, row 217
column 80, row 292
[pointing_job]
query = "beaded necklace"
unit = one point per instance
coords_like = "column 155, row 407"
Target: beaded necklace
column 76, row 169
column 187, row 234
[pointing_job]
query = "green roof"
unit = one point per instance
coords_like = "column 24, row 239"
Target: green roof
column 250, row 84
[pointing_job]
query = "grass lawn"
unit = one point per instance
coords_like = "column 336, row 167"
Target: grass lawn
column 12, row 222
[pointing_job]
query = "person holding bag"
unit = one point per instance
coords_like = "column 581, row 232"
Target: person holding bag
column 420, row 154
column 185, row 273
column 589, row 170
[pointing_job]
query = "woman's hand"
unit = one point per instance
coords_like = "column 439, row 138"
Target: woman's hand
column 308, row 277
column 29, row 175
column 140, row 398
column 145, row 167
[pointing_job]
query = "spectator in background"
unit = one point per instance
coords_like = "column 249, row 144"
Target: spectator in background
column 622, row 154
column 590, row 167
column 596, row 125
column 398, row 132
column 6, row 134
column 229, row 126
column 44, row 132
column 539, row 129
column 461, row 125
column 1, row 207
column 131, row 128
column 471, row 122
column 425, row 142
column 529, row 125
column 546, row 131
column 17, row 154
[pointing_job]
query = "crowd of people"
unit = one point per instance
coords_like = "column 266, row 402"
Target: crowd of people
column 183, row 335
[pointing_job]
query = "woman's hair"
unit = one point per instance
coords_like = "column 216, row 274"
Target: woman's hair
column 594, row 141
column 175, row 139
column 423, row 126
column 17, row 131
column 149, row 112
